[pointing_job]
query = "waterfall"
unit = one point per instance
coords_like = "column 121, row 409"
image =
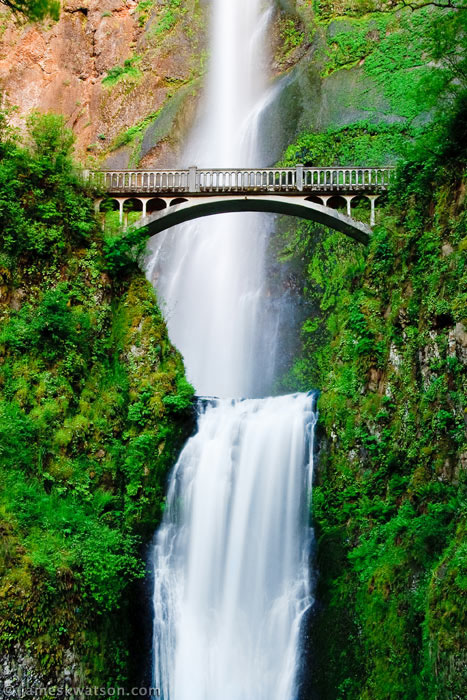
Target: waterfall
column 231, row 557
column 210, row 274
column 231, row 570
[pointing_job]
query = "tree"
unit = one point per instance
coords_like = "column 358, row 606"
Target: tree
column 34, row 9
column 363, row 7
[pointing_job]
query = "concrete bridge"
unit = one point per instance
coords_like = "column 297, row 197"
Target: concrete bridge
column 166, row 198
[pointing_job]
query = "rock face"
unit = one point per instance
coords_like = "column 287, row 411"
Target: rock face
column 77, row 67
column 126, row 75
column 19, row 675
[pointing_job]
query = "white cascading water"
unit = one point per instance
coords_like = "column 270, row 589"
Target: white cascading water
column 231, row 556
column 210, row 273
column 231, row 579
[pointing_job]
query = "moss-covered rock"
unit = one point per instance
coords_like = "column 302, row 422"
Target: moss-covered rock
column 385, row 343
column 94, row 406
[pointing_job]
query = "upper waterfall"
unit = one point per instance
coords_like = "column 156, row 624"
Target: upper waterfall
column 210, row 274
column 236, row 91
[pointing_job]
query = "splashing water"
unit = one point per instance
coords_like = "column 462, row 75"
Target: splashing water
column 231, row 556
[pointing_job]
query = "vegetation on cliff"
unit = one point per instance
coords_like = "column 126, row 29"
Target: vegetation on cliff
column 34, row 9
column 93, row 409
column 386, row 343
column 389, row 352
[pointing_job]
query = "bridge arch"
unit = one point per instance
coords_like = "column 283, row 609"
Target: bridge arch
column 107, row 204
column 132, row 204
column 315, row 198
column 337, row 202
column 363, row 206
column 200, row 207
column 133, row 210
column 109, row 211
column 155, row 204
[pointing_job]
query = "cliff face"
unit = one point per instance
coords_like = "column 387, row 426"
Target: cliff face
column 94, row 407
column 106, row 66
column 386, row 343
column 126, row 75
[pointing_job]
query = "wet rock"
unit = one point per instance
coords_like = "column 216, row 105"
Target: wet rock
column 459, row 335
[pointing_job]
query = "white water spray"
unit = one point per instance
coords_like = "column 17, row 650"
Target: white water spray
column 231, row 557
column 210, row 274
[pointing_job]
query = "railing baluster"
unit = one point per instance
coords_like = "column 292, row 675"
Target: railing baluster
column 286, row 180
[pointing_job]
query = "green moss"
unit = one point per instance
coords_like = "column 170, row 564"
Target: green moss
column 361, row 142
column 135, row 132
column 167, row 18
column 392, row 49
column 291, row 36
column 350, row 41
column 128, row 71
column 87, row 429
column 389, row 505
column 143, row 10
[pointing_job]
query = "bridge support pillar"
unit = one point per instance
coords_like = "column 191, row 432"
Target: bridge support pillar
column 145, row 203
column 120, row 210
column 373, row 198
column 348, row 199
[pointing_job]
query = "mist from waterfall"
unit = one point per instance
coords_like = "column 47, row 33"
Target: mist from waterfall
column 210, row 273
column 231, row 558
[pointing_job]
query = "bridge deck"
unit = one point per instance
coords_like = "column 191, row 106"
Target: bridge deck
column 194, row 181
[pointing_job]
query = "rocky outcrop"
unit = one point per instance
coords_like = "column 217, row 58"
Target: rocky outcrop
column 77, row 67
column 21, row 677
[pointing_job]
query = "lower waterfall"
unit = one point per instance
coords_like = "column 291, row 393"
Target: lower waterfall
column 232, row 555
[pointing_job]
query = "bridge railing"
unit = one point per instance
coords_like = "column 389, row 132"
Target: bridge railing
column 196, row 181
column 140, row 180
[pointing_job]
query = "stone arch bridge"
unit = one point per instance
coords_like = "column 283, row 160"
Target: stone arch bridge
column 166, row 198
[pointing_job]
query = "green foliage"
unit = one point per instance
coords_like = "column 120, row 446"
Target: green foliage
column 430, row 157
column 352, row 41
column 393, row 49
column 168, row 17
column 329, row 9
column 290, row 35
column 34, row 10
column 71, row 533
column 415, row 85
column 125, row 252
column 129, row 71
column 134, row 132
column 361, row 142
column 86, row 436
column 43, row 204
column 52, row 328
column 144, row 10
column 389, row 505
column 183, row 399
